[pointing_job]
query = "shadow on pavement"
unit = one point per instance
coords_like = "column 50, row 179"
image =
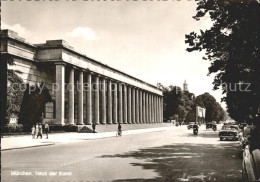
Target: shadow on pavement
column 188, row 162
column 204, row 135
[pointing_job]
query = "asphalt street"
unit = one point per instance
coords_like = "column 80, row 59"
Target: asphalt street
column 173, row 155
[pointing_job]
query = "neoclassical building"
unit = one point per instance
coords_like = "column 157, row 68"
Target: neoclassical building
column 84, row 90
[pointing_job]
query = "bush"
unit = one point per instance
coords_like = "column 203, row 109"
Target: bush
column 19, row 128
column 13, row 128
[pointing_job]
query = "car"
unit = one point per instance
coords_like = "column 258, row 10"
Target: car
column 211, row 124
column 190, row 125
column 229, row 132
column 251, row 164
column 242, row 125
column 245, row 134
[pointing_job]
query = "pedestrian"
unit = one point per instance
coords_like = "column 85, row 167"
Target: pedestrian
column 46, row 129
column 40, row 131
column 119, row 129
column 33, row 131
column 36, row 130
column 94, row 127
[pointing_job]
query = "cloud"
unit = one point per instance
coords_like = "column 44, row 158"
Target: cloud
column 82, row 32
column 23, row 32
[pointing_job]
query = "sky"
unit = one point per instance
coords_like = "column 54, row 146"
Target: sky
column 145, row 39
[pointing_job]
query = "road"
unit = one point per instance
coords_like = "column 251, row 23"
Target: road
column 173, row 155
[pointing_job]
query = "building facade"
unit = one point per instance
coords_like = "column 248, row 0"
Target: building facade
column 84, row 90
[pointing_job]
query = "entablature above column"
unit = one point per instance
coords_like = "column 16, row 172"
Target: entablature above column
column 59, row 51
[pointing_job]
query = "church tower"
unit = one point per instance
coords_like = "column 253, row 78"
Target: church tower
column 185, row 86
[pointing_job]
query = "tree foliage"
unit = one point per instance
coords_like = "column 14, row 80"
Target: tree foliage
column 14, row 94
column 172, row 96
column 232, row 46
column 11, row 94
column 183, row 104
column 214, row 111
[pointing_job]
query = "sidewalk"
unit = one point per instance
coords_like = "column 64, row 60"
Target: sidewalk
column 20, row 142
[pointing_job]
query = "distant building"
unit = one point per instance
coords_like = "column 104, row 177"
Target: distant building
column 185, row 86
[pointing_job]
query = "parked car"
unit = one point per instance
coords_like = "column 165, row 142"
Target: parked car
column 190, row 125
column 242, row 125
column 245, row 134
column 251, row 164
column 229, row 132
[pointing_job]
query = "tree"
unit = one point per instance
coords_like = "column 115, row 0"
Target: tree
column 14, row 94
column 214, row 111
column 185, row 105
column 176, row 102
column 171, row 98
column 11, row 94
column 232, row 46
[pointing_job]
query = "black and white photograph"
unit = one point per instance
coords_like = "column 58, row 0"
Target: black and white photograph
column 130, row 90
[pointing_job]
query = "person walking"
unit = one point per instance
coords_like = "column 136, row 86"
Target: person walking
column 36, row 130
column 46, row 129
column 40, row 131
column 94, row 127
column 119, row 129
column 33, row 131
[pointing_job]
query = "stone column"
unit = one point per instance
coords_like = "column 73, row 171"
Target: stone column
column 156, row 109
column 137, row 106
column 161, row 109
column 89, row 99
column 109, row 102
column 71, row 97
column 115, row 103
column 80, row 98
column 125, row 104
column 60, row 93
column 103, row 102
column 97, row 99
column 153, row 108
column 120, row 104
column 147, row 108
column 141, row 107
column 129, row 109
column 144, row 108
column 133, row 105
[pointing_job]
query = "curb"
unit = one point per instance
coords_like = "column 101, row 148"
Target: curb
column 33, row 146
column 49, row 144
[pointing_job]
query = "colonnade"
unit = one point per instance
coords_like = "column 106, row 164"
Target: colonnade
column 120, row 102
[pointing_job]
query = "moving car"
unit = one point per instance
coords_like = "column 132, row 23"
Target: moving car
column 229, row 132
column 190, row 125
column 211, row 125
